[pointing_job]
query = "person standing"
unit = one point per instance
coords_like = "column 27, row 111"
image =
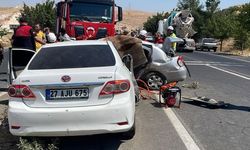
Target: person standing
column 50, row 36
column 143, row 35
column 39, row 37
column 168, row 46
column 23, row 36
column 64, row 36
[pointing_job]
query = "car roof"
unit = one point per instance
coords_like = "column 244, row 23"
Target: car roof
column 74, row 43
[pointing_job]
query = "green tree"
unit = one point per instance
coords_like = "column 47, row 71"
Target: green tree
column 212, row 5
column 151, row 25
column 44, row 14
column 188, row 4
column 221, row 26
column 242, row 29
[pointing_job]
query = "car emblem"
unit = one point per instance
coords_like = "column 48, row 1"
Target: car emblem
column 66, row 78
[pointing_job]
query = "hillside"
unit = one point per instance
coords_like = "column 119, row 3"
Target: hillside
column 133, row 19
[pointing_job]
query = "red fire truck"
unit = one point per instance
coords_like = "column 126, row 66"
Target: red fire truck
column 88, row 19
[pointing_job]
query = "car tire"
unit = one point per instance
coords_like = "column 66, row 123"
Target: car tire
column 129, row 134
column 152, row 78
column 215, row 49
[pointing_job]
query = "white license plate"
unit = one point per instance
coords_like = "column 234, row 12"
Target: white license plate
column 53, row 94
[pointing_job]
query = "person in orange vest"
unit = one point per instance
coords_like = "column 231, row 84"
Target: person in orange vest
column 23, row 36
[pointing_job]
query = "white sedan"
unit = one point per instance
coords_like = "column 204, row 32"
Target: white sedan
column 72, row 88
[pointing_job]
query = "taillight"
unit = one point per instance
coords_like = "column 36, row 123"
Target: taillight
column 20, row 91
column 180, row 61
column 115, row 87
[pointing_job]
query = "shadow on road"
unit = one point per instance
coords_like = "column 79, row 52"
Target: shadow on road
column 226, row 106
column 97, row 142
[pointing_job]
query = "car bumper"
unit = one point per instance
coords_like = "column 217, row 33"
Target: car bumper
column 209, row 47
column 70, row 121
column 177, row 75
column 171, row 72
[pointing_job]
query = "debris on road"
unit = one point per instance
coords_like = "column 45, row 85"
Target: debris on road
column 194, row 85
column 207, row 101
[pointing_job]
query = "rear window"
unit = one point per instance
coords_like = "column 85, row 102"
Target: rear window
column 209, row 41
column 73, row 57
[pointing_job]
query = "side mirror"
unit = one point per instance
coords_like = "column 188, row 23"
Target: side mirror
column 128, row 61
column 120, row 14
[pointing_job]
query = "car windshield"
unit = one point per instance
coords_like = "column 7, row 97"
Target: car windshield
column 209, row 41
column 67, row 57
column 91, row 12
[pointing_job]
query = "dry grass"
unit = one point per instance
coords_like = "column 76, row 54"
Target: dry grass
column 133, row 19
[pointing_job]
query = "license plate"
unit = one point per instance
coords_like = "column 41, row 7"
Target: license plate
column 60, row 94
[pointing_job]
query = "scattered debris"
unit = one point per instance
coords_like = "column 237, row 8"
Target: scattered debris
column 206, row 101
column 38, row 144
column 194, row 85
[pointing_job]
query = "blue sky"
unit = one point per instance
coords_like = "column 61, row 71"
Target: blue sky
column 145, row 5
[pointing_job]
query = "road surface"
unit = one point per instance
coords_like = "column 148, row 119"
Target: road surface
column 193, row 126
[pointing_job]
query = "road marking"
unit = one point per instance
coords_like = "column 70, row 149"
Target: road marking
column 204, row 63
column 186, row 138
column 229, row 72
column 181, row 130
column 243, row 60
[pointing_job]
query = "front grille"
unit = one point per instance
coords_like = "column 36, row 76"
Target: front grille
column 102, row 33
column 79, row 31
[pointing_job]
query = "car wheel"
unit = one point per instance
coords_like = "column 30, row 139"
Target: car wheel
column 129, row 134
column 215, row 49
column 155, row 80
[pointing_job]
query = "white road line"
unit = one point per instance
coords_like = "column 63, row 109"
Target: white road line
column 229, row 72
column 181, row 130
column 243, row 60
column 186, row 138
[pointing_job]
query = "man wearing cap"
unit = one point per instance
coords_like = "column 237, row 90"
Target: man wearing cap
column 23, row 36
column 143, row 35
column 168, row 45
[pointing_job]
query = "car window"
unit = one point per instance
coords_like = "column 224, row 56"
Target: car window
column 209, row 41
column 73, row 57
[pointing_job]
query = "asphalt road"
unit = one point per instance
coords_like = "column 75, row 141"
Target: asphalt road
column 224, row 78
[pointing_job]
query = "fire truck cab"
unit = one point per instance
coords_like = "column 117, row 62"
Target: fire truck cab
column 88, row 19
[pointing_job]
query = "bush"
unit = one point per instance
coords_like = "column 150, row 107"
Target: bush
column 152, row 23
column 43, row 14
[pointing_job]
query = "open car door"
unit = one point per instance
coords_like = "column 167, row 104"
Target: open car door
column 18, row 60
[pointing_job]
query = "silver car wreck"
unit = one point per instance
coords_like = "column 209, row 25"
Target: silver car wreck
column 160, row 68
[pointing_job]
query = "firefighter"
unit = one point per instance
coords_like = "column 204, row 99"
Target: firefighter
column 23, row 36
